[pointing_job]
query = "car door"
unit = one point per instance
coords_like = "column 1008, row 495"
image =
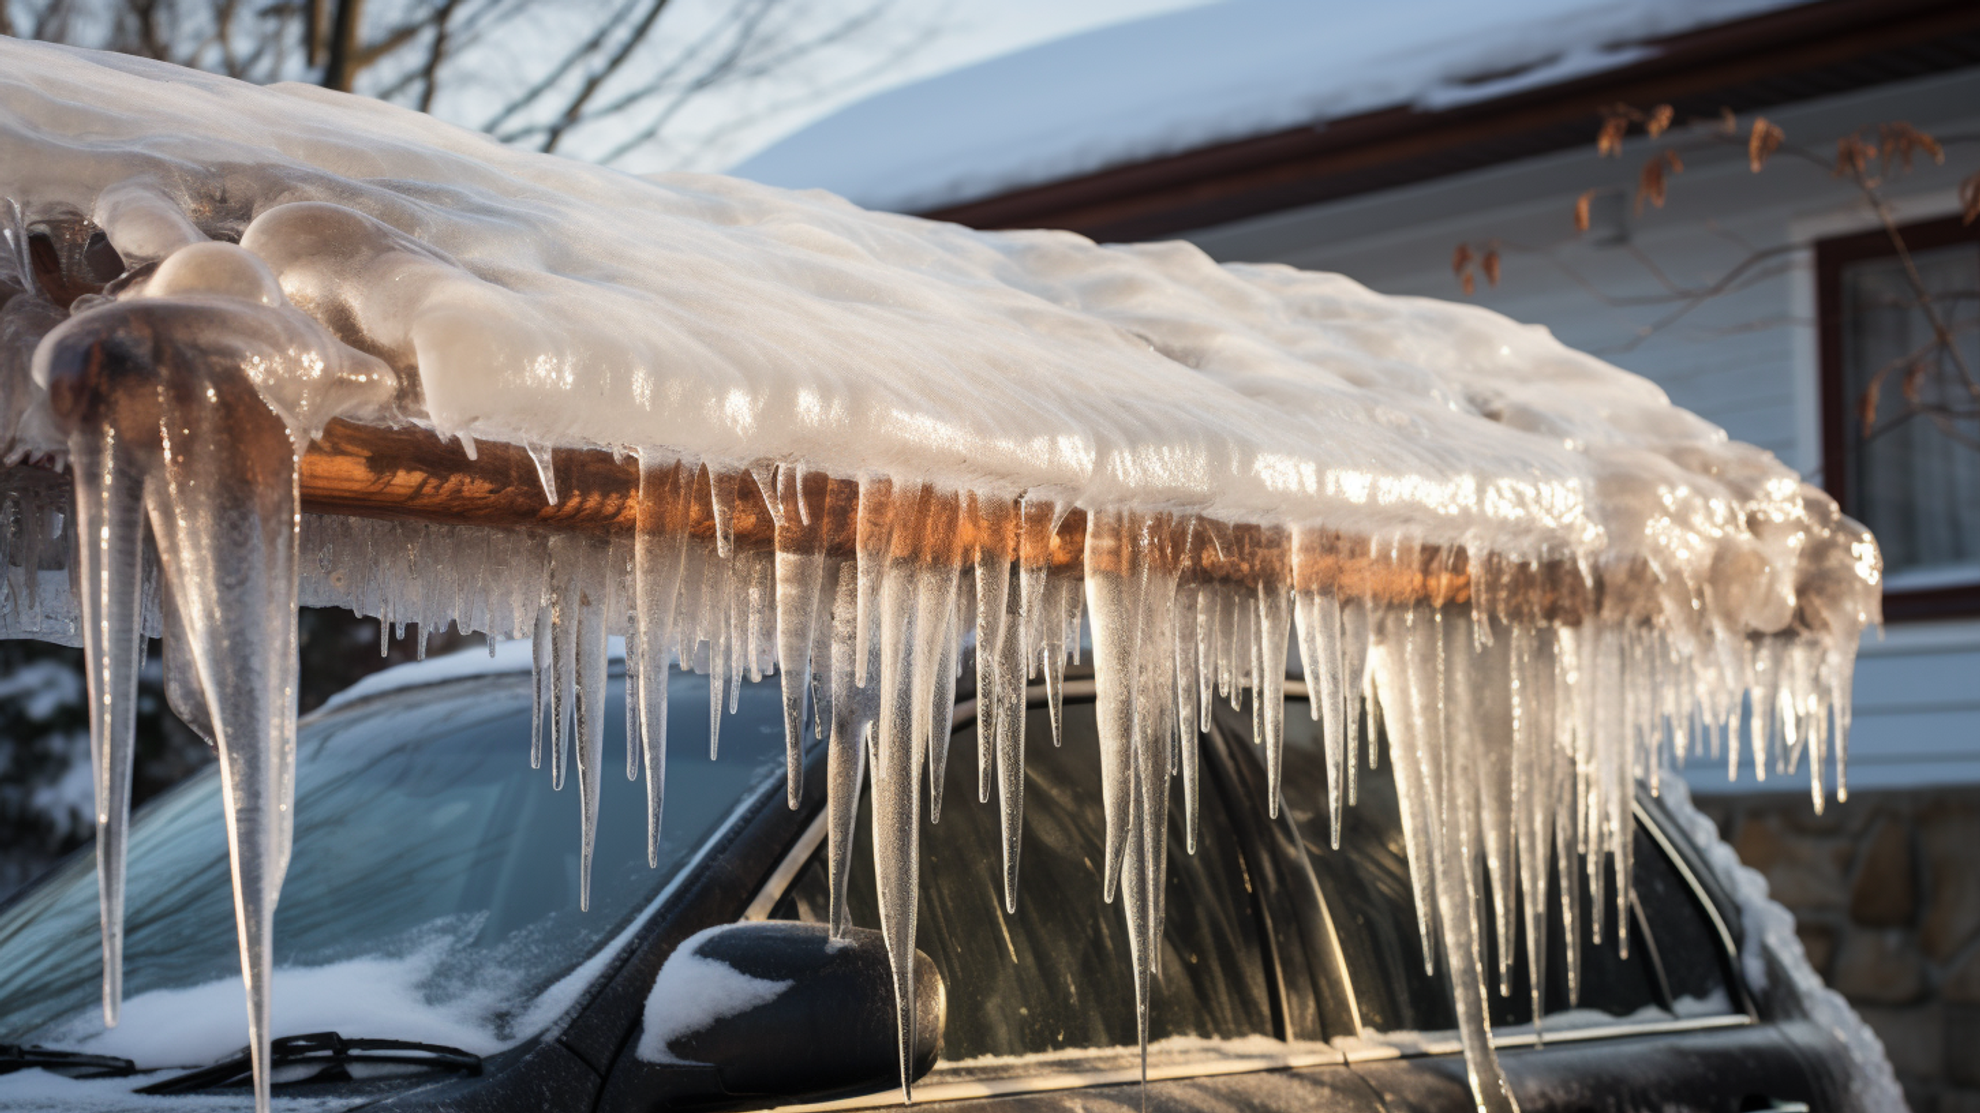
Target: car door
column 1667, row 1026
column 1041, row 1003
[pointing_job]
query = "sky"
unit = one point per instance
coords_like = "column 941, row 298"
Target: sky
column 972, row 31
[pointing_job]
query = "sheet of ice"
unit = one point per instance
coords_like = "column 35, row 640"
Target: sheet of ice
column 1546, row 580
column 693, row 991
column 1211, row 74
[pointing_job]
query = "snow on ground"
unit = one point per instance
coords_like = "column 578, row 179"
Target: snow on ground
column 1189, row 79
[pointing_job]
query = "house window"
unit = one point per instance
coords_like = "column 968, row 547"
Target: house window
column 1914, row 476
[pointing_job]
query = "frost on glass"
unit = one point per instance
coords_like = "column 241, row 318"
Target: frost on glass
column 755, row 433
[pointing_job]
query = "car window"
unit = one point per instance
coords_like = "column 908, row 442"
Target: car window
column 1366, row 886
column 1687, row 945
column 1056, row 976
column 433, row 893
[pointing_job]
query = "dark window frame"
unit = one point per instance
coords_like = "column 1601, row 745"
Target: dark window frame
column 1838, row 409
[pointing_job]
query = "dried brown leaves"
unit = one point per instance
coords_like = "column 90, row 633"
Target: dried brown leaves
column 1765, row 139
column 1853, row 156
column 1654, row 181
column 1616, row 120
column 1467, row 264
column 1581, row 206
column 1898, row 142
column 1969, row 199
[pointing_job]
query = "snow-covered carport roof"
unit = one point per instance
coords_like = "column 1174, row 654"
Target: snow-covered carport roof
column 1333, row 104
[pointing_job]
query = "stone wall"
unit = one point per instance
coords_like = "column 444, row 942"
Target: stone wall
column 1886, row 892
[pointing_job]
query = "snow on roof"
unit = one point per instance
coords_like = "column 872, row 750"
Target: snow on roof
column 541, row 301
column 1192, row 78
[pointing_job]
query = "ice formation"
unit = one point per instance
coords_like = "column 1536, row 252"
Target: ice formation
column 758, row 430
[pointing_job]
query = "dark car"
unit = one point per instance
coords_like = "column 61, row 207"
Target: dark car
column 431, row 954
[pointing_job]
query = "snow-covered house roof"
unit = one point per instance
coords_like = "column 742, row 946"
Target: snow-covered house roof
column 1148, row 128
column 1190, row 78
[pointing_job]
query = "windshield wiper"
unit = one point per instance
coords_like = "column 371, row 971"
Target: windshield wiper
column 329, row 1052
column 74, row 1064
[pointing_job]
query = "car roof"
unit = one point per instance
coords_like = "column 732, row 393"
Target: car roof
column 509, row 658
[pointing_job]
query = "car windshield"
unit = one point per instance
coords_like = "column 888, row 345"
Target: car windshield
column 432, row 895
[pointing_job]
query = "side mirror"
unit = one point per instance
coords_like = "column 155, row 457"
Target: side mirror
column 783, row 1010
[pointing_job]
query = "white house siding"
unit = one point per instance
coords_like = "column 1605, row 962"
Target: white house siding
column 1746, row 360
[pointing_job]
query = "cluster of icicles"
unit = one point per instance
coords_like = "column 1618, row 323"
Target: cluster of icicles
column 1521, row 700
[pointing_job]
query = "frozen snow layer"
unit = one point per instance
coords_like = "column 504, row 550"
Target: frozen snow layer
column 1212, row 74
column 540, row 301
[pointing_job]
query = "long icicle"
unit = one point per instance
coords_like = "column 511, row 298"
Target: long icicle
column 109, row 486
column 659, row 563
column 800, row 571
column 589, row 681
column 220, row 491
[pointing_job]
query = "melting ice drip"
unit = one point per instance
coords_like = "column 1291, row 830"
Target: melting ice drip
column 1542, row 581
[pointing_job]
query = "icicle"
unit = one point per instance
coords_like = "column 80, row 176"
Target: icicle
column 1532, row 800
column 635, row 664
column 846, row 757
column 564, row 588
column 896, row 777
column 800, row 571
column 546, row 470
column 722, row 493
column 219, row 482
column 1484, row 698
column 1008, row 695
column 1062, row 597
column 872, row 534
column 182, row 687
column 1317, row 620
column 589, row 683
column 998, row 528
column 1435, row 782
column 1409, row 668
column 1113, row 600
column 715, row 627
column 1269, row 669
column 1188, row 664
column 1354, row 682
column 936, row 564
column 541, row 679
column 109, row 488
column 1039, row 519
column 660, row 569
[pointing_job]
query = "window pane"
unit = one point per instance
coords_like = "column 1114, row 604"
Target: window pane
column 1688, row 949
column 1914, row 483
column 432, row 865
column 1366, row 885
column 1056, row 975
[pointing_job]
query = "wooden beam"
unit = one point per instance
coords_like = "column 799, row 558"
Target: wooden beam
column 409, row 473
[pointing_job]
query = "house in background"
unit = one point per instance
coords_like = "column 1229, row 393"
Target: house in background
column 1374, row 140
